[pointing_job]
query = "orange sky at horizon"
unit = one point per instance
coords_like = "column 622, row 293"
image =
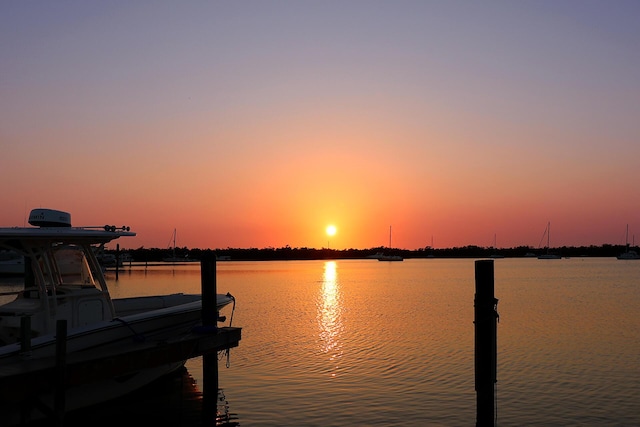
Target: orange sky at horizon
column 302, row 221
column 258, row 125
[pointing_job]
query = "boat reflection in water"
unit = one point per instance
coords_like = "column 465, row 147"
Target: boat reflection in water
column 330, row 316
column 172, row 400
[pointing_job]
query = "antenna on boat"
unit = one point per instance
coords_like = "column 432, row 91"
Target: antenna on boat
column 106, row 227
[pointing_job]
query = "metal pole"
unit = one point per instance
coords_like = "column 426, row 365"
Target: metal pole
column 61, row 371
column 25, row 335
column 485, row 321
column 209, row 291
column 117, row 260
column 209, row 323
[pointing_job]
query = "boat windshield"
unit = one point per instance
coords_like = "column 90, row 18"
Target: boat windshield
column 60, row 265
column 73, row 266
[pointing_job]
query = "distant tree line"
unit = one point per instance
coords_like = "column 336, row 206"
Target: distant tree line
column 288, row 253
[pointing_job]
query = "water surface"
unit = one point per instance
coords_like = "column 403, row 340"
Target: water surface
column 362, row 342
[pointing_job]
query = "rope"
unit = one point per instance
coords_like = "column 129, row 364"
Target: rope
column 233, row 309
column 137, row 336
column 227, row 351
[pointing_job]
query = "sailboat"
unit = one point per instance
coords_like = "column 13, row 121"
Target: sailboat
column 548, row 255
column 495, row 254
column 173, row 257
column 389, row 257
column 628, row 254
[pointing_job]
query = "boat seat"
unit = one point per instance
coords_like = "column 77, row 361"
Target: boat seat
column 34, row 293
column 21, row 307
column 76, row 291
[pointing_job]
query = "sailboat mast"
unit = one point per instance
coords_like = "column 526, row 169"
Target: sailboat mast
column 389, row 237
column 627, row 238
column 174, row 242
column 548, row 235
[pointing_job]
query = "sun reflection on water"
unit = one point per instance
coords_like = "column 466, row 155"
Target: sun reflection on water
column 330, row 315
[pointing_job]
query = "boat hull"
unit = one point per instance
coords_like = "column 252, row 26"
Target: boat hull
column 629, row 255
column 139, row 329
column 390, row 258
column 138, row 325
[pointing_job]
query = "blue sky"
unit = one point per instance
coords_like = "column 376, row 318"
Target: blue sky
column 451, row 120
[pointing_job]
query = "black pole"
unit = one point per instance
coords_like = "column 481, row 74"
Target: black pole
column 61, row 371
column 485, row 321
column 209, row 323
column 25, row 335
column 209, row 291
column 117, row 259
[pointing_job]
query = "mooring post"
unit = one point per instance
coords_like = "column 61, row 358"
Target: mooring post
column 117, row 259
column 61, row 371
column 209, row 323
column 209, row 291
column 25, row 335
column 486, row 344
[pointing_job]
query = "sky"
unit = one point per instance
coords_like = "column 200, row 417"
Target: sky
column 256, row 124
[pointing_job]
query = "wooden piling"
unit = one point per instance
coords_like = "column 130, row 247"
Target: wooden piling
column 209, row 323
column 117, row 260
column 61, row 372
column 485, row 320
column 209, row 290
column 25, row 335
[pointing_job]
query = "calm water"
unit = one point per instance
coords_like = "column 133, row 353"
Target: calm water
column 367, row 343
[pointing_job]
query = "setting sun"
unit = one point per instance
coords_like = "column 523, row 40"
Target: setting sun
column 331, row 230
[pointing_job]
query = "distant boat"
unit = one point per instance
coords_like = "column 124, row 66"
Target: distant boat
column 389, row 257
column 628, row 254
column 548, row 255
column 173, row 257
column 495, row 255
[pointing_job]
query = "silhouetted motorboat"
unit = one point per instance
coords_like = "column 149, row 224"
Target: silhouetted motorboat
column 64, row 281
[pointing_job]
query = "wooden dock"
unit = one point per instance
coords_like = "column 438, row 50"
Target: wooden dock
column 27, row 377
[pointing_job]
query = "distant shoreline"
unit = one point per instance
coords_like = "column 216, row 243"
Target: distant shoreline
column 288, row 253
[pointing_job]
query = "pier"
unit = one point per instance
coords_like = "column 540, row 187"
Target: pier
column 25, row 378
